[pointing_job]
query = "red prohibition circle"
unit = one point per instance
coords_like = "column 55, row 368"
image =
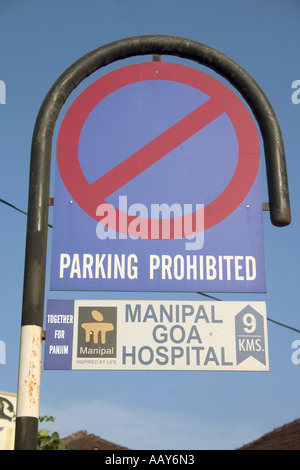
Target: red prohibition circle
column 222, row 100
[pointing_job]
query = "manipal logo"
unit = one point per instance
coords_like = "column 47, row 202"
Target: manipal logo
column 93, row 329
column 97, row 332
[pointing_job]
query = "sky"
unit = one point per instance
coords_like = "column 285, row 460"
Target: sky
column 39, row 39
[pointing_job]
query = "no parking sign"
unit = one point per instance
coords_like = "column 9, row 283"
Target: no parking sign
column 158, row 186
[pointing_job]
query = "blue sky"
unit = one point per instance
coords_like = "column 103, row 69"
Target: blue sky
column 39, row 39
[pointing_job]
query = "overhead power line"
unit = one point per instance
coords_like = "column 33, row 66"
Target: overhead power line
column 11, row 205
column 17, row 209
column 269, row 319
column 201, row 293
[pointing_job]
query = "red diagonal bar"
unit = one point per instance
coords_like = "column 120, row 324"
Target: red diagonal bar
column 156, row 149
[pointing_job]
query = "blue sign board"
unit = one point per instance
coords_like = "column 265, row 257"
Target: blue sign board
column 158, row 186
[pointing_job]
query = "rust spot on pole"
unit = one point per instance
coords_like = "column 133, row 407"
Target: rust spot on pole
column 30, row 360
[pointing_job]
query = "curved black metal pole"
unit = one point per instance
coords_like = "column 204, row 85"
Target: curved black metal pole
column 36, row 242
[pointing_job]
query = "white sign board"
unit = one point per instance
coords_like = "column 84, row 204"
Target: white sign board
column 156, row 335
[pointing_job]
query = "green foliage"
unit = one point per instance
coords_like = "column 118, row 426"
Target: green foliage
column 48, row 440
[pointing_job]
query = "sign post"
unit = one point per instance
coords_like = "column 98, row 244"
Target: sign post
column 37, row 225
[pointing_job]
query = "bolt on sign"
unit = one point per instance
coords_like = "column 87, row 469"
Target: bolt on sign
column 158, row 186
column 154, row 335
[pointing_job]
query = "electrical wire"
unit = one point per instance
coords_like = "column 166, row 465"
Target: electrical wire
column 269, row 319
column 200, row 293
column 17, row 209
column 14, row 207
